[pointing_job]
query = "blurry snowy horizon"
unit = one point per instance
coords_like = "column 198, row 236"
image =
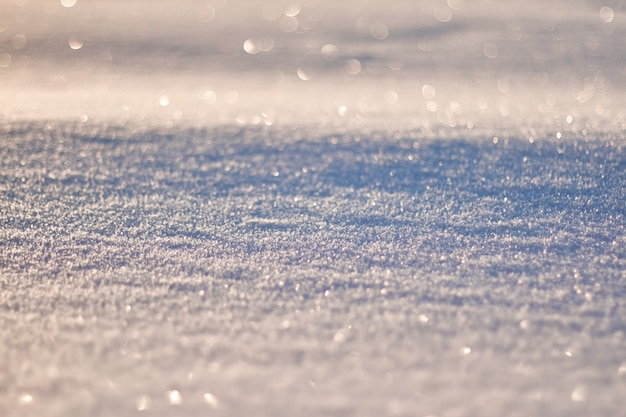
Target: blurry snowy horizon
column 312, row 208
column 434, row 63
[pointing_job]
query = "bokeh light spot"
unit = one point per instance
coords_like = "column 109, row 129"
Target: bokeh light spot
column 18, row 41
column 5, row 60
column 391, row 97
column 329, row 51
column 428, row 91
column 303, row 75
column 607, row 14
column 353, row 66
column 288, row 23
column 209, row 96
column 292, row 9
column 26, row 399
column 75, row 43
column 490, row 50
column 174, row 397
column 379, row 31
column 211, row 400
column 443, row 14
column 251, row 47
column 142, row 403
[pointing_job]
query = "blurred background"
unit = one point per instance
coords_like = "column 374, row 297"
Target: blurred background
column 454, row 63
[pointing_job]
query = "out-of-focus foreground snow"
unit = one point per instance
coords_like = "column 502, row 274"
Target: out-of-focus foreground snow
column 241, row 208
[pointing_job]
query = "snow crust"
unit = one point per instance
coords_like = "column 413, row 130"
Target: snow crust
column 288, row 273
column 193, row 223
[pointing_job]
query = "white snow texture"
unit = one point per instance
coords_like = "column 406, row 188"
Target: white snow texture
column 312, row 208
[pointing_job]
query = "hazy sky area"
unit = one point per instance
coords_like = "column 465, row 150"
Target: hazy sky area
column 312, row 208
column 425, row 62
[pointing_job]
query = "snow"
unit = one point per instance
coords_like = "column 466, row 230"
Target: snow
column 207, row 211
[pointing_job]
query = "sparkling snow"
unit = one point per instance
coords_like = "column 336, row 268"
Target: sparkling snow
column 312, row 208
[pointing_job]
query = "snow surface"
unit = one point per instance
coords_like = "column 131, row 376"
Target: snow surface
column 191, row 225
